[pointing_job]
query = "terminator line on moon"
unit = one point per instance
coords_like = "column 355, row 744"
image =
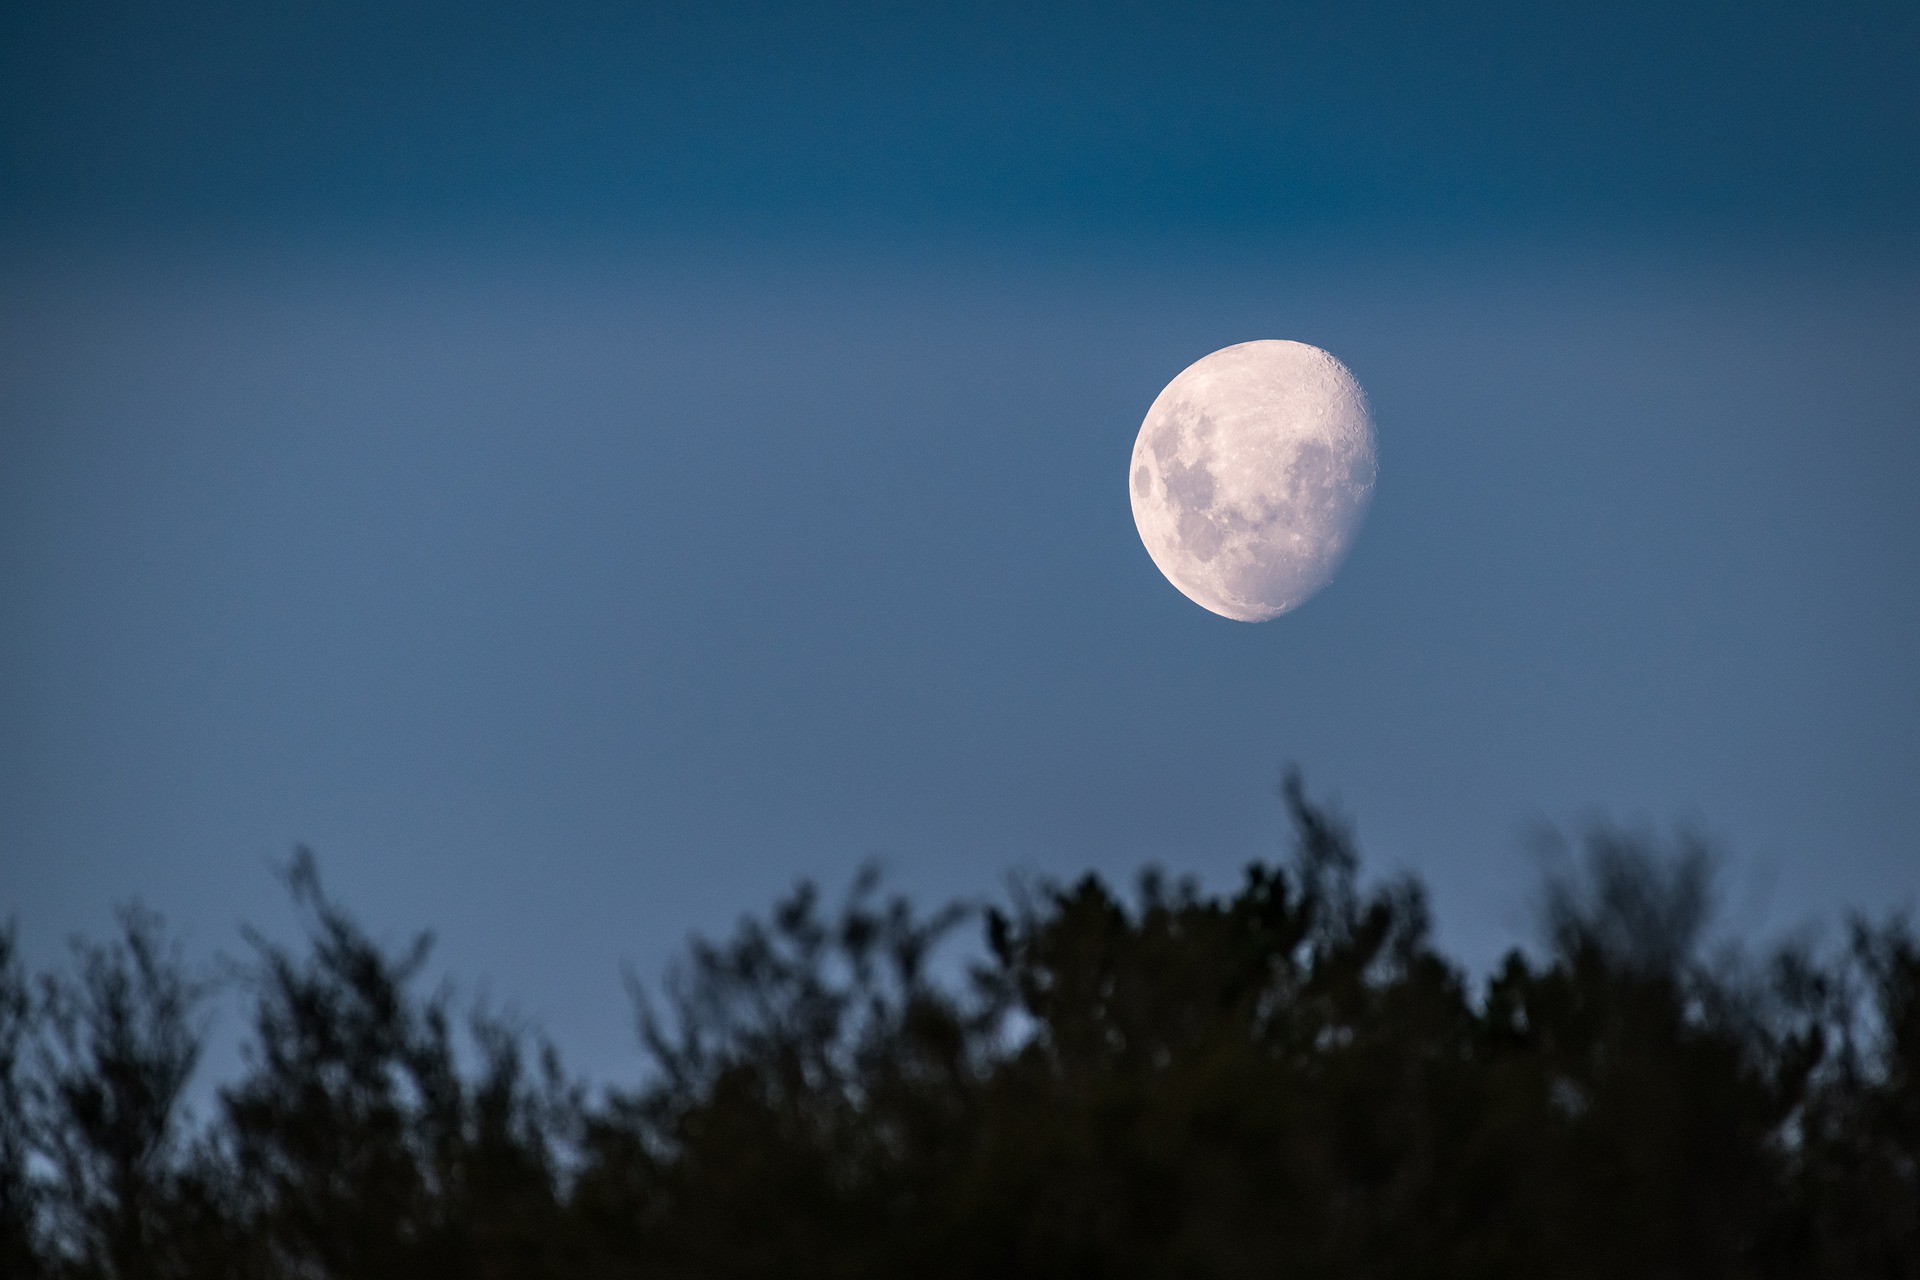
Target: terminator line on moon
column 1251, row 474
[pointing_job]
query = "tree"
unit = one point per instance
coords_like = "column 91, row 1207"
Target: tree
column 1288, row 1079
column 360, row 1148
column 21, row 1248
column 121, row 1040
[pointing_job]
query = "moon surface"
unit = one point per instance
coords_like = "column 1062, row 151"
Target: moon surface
column 1251, row 475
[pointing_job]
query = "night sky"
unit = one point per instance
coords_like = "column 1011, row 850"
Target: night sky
column 582, row 467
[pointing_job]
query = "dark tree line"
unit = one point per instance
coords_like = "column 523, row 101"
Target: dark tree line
column 1290, row 1080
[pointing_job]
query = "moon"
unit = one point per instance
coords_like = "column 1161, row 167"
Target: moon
column 1251, row 475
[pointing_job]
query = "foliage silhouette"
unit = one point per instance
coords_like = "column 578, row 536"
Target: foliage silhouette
column 1286, row 1080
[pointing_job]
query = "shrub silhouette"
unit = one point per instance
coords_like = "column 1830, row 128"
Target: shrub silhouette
column 1285, row 1080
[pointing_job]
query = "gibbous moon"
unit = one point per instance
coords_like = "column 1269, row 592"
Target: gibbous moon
column 1251, row 474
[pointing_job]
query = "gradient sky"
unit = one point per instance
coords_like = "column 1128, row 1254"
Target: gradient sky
column 582, row 467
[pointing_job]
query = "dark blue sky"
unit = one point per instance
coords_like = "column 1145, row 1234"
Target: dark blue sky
column 581, row 468
column 1001, row 118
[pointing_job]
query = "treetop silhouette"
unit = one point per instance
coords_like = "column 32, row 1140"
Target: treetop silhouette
column 1286, row 1080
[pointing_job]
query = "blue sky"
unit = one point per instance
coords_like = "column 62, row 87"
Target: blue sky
column 997, row 118
column 582, row 469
